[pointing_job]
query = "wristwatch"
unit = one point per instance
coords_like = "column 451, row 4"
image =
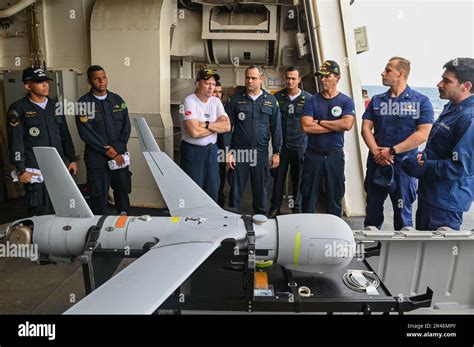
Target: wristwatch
column 319, row 121
column 207, row 124
column 392, row 151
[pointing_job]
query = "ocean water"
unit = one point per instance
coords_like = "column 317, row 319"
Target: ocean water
column 431, row 93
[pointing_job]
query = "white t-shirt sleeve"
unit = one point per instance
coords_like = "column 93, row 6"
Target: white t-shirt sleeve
column 189, row 110
column 220, row 109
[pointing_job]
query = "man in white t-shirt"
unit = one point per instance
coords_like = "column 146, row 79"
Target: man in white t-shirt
column 202, row 119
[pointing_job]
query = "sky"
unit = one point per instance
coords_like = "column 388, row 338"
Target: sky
column 426, row 32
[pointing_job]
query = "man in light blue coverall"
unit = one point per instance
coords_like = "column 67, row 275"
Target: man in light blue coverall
column 446, row 167
column 401, row 119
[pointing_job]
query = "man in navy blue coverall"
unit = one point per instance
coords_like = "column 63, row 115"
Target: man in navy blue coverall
column 446, row 167
column 106, row 133
column 294, row 141
column 255, row 115
column 34, row 121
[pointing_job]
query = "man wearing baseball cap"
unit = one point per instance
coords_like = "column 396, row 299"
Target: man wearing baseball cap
column 202, row 118
column 326, row 116
column 33, row 121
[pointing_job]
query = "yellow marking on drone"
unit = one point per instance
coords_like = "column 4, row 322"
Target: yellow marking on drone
column 174, row 219
column 296, row 255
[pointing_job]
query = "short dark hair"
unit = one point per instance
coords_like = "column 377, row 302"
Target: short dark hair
column 93, row 68
column 463, row 69
column 292, row 68
column 402, row 64
column 258, row 67
column 218, row 84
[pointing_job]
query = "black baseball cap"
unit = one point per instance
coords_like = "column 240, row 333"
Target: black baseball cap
column 205, row 74
column 329, row 67
column 384, row 176
column 35, row 74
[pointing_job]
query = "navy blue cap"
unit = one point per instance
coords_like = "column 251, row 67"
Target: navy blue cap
column 384, row 176
column 35, row 74
column 411, row 167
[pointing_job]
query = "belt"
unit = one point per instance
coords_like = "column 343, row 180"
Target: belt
column 325, row 152
column 192, row 144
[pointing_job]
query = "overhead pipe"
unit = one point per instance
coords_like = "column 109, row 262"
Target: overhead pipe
column 14, row 9
column 312, row 37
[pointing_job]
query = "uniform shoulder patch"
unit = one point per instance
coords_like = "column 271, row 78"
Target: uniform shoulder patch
column 13, row 118
column 13, row 114
column 123, row 106
column 84, row 119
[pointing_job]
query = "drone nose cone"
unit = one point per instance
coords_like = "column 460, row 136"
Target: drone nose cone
column 20, row 235
column 314, row 242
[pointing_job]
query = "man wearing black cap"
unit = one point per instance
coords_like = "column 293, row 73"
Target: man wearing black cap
column 106, row 132
column 326, row 116
column 202, row 118
column 34, row 122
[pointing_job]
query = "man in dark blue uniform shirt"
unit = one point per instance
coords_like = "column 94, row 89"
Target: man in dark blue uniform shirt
column 106, row 133
column 291, row 101
column 326, row 116
column 446, row 167
column 254, row 115
column 400, row 119
column 33, row 121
